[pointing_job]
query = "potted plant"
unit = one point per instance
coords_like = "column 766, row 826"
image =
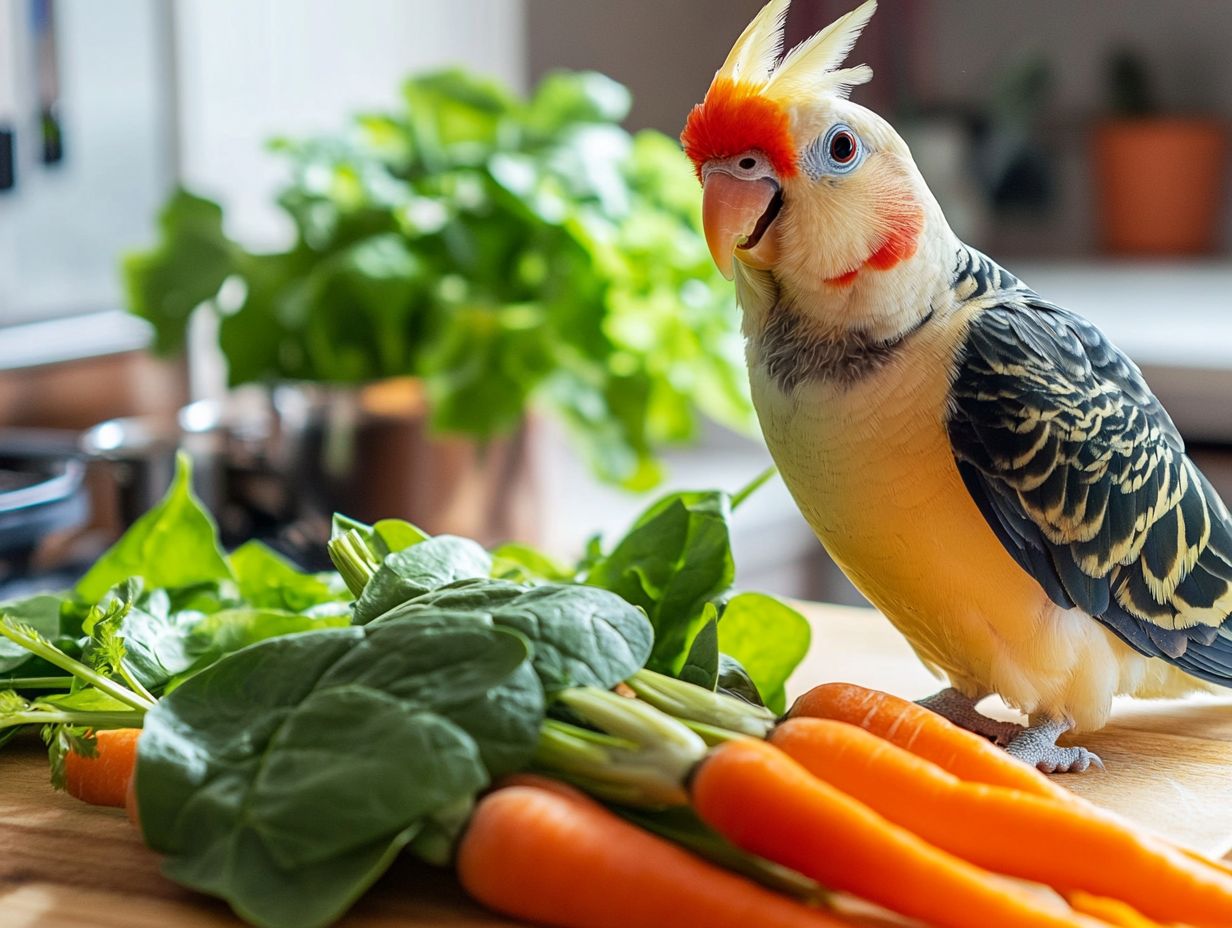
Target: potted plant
column 457, row 261
column 1159, row 178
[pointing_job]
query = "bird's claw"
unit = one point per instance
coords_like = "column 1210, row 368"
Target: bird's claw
column 1037, row 746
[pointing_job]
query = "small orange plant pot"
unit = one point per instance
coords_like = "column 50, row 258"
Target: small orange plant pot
column 1160, row 184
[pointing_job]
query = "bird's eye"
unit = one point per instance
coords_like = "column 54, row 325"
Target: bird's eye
column 838, row 152
column 843, row 147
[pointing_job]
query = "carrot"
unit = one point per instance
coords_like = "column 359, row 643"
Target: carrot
column 1112, row 911
column 765, row 802
column 1067, row 846
column 926, row 734
column 538, row 781
column 103, row 779
column 560, row 859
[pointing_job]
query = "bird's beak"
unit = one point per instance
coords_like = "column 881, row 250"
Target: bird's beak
column 736, row 214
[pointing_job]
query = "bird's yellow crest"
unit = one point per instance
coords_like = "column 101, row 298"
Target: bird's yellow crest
column 750, row 102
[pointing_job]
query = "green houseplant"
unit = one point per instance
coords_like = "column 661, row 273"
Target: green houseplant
column 502, row 251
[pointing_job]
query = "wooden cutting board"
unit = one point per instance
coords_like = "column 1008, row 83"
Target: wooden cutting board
column 64, row 864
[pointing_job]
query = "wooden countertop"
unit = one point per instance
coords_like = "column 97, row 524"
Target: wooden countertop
column 64, row 864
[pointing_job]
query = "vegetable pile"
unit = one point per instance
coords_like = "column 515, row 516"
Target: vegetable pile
column 586, row 745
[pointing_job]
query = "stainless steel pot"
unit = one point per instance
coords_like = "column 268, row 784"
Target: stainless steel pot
column 276, row 463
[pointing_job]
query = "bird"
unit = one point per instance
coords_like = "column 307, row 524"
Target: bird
column 984, row 465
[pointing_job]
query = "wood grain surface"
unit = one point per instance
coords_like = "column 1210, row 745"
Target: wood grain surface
column 64, row 864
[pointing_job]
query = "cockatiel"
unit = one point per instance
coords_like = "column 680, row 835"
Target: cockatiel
column 985, row 466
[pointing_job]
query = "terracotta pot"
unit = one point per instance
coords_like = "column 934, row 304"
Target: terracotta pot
column 368, row 452
column 1160, row 185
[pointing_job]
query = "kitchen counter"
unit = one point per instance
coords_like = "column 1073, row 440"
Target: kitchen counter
column 69, row 865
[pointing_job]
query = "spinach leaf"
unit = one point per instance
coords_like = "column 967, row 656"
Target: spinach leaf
column 175, row 544
column 582, row 636
column 524, row 564
column 161, row 643
column 156, row 643
column 433, row 563
column 701, row 666
column 383, row 537
column 477, row 594
column 267, row 580
column 42, row 613
column 286, row 776
column 212, row 636
column 768, row 638
column 397, row 535
column 675, row 559
column 734, row 680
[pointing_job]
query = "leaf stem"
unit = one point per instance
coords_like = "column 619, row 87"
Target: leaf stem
column 134, row 683
column 752, row 487
column 41, row 647
column 640, row 757
column 35, row 683
column 59, row 717
column 353, row 559
column 715, row 713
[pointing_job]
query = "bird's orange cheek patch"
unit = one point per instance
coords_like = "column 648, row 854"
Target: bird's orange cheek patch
column 900, row 244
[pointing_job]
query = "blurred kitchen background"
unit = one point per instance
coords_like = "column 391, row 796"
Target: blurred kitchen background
column 1082, row 144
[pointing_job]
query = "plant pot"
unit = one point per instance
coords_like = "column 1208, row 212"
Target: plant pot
column 368, row 452
column 276, row 463
column 1160, row 185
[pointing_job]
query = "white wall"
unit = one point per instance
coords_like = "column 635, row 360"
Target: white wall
column 64, row 225
column 249, row 69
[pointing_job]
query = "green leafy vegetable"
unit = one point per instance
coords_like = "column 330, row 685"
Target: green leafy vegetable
column 267, row 580
column 175, row 544
column 581, row 636
column 285, row 777
column 768, row 638
column 734, row 680
column 405, row 574
column 701, row 666
column 673, row 561
column 42, row 613
column 524, row 564
column 392, row 535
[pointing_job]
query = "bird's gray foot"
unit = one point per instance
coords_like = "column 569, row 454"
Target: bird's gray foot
column 1037, row 745
column 960, row 709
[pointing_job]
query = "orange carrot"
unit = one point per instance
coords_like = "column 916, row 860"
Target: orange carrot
column 560, row 859
column 1064, row 845
column 1112, row 911
column 765, row 802
column 926, row 734
column 538, row 781
column 103, row 779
